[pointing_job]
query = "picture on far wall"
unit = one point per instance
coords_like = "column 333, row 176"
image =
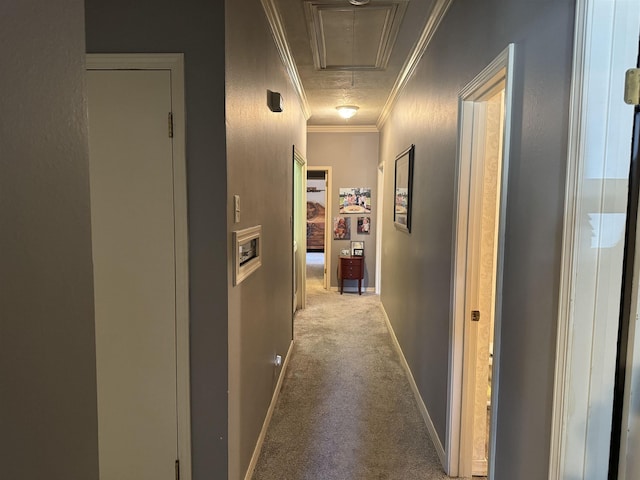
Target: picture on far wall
column 341, row 228
column 357, row 249
column 403, row 189
column 364, row 225
column 355, row 200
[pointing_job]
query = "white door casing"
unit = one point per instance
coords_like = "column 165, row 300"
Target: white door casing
column 299, row 229
column 327, row 223
column 379, row 220
column 496, row 76
column 138, row 200
column 600, row 126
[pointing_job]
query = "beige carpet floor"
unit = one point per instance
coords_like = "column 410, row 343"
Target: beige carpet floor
column 346, row 410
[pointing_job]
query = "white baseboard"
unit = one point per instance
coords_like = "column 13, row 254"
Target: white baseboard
column 480, row 467
column 416, row 393
column 267, row 418
column 354, row 289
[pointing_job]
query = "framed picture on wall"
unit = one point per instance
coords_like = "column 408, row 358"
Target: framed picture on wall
column 355, row 200
column 355, row 246
column 364, row 225
column 341, row 228
column 403, row 189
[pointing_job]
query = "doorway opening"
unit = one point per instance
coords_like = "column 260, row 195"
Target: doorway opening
column 483, row 159
column 318, row 255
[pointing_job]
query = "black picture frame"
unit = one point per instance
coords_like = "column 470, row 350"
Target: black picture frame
column 357, row 245
column 403, row 189
column 358, row 252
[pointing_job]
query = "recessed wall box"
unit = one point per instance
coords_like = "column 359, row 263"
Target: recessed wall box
column 247, row 246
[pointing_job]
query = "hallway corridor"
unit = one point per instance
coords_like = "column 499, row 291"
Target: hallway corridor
column 346, row 410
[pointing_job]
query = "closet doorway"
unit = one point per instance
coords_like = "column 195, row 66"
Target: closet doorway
column 139, row 239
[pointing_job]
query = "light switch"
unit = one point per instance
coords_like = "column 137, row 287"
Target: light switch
column 236, row 208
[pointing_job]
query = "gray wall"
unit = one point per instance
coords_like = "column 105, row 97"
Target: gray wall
column 48, row 416
column 197, row 29
column 416, row 268
column 354, row 161
column 260, row 170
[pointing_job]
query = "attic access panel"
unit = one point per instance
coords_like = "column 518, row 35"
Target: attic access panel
column 353, row 38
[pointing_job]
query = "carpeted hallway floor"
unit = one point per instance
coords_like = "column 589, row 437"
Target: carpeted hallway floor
column 346, row 410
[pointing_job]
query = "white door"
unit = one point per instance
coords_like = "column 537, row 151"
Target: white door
column 132, row 217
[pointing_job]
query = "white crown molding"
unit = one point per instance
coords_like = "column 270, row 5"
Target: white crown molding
column 280, row 38
column 437, row 14
column 342, row 129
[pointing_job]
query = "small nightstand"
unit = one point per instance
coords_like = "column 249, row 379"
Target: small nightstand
column 350, row 268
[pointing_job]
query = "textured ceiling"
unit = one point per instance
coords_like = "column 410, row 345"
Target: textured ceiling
column 351, row 55
column 348, row 38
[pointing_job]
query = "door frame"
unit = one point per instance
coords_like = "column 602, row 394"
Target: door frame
column 625, row 431
column 458, row 463
column 605, row 45
column 327, row 222
column 173, row 62
column 379, row 229
column 299, row 231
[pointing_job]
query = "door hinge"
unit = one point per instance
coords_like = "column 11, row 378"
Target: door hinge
column 475, row 315
column 170, row 122
column 632, row 86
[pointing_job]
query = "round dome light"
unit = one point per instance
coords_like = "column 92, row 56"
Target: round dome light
column 347, row 111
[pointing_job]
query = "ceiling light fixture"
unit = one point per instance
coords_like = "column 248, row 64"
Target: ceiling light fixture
column 358, row 3
column 347, row 111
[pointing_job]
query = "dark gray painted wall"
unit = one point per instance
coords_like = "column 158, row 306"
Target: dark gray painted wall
column 354, row 161
column 197, row 29
column 416, row 268
column 260, row 170
column 48, row 415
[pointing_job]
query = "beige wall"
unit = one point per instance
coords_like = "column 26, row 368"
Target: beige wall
column 260, row 170
column 354, row 161
column 48, row 414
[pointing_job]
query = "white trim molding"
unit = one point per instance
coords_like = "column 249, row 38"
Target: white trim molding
column 300, row 236
column 353, row 289
column 282, row 44
column 433, row 434
column 600, row 126
column 327, row 230
column 498, row 73
column 438, row 12
column 342, row 129
column 267, row 418
column 174, row 62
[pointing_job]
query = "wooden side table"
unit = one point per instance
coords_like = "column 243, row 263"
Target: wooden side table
column 350, row 268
